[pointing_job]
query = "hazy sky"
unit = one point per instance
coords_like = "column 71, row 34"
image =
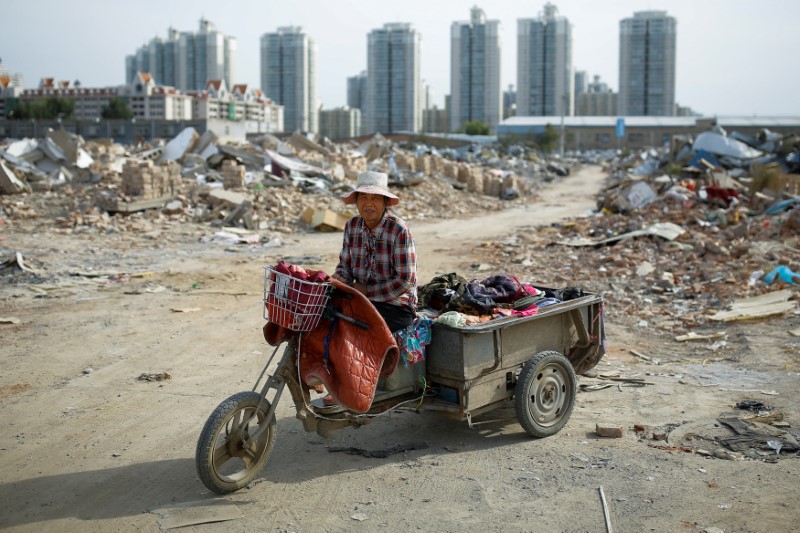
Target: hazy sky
column 733, row 56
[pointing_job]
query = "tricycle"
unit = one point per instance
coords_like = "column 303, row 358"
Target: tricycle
column 530, row 362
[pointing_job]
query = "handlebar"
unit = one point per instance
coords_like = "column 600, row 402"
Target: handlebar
column 331, row 312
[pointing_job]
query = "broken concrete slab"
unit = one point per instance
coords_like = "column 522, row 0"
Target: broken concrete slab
column 206, row 144
column 665, row 230
column 115, row 205
column 692, row 336
column 52, row 150
column 23, row 165
column 765, row 305
column 23, row 148
column 248, row 158
column 66, row 142
column 151, row 154
column 301, row 142
column 221, row 196
column 48, row 165
column 241, row 213
column 176, row 148
column 292, row 165
column 84, row 160
column 232, row 236
column 9, row 182
column 60, row 176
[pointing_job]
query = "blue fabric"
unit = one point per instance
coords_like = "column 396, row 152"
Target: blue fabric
column 783, row 273
column 548, row 301
column 413, row 339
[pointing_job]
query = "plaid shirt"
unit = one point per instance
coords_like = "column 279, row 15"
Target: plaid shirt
column 384, row 259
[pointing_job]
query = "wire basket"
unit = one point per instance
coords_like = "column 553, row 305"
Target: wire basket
column 293, row 303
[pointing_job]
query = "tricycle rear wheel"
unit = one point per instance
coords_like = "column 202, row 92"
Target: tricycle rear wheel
column 227, row 457
column 545, row 394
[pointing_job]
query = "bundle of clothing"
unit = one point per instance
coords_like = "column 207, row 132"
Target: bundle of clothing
column 451, row 295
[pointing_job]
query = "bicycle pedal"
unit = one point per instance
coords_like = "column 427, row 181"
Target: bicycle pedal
column 320, row 406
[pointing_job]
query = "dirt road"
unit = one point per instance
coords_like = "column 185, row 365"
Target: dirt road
column 86, row 445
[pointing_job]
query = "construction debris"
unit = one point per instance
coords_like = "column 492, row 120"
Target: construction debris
column 681, row 232
column 765, row 305
column 275, row 182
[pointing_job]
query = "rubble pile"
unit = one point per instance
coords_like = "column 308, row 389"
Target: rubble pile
column 678, row 233
column 268, row 184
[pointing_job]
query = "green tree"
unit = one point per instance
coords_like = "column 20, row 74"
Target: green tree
column 476, row 128
column 44, row 108
column 22, row 111
column 117, row 108
column 60, row 107
column 548, row 141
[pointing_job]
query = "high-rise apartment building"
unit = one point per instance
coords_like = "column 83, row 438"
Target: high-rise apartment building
column 340, row 124
column 186, row 60
column 426, row 101
column 509, row 102
column 544, row 65
column 393, row 79
column 357, row 91
column 205, row 55
column 581, row 82
column 164, row 59
column 597, row 101
column 475, row 71
column 647, row 64
column 289, row 76
column 357, row 96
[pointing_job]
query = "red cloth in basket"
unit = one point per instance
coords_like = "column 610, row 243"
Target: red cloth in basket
column 297, row 302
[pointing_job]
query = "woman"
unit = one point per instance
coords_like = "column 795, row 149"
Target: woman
column 378, row 256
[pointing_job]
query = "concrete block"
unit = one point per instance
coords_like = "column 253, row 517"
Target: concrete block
column 608, row 430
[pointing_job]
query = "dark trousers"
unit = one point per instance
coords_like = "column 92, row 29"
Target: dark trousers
column 396, row 317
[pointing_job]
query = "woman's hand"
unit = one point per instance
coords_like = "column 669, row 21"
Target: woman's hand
column 360, row 287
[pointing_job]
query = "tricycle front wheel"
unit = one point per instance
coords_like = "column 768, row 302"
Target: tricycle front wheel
column 228, row 458
column 545, row 394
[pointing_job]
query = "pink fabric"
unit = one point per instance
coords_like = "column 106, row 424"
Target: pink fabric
column 531, row 290
column 530, row 311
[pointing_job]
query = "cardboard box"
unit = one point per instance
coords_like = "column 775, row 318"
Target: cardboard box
column 327, row 220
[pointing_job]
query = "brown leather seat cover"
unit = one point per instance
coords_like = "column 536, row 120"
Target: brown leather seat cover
column 356, row 358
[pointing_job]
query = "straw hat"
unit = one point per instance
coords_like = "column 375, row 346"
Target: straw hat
column 371, row 182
